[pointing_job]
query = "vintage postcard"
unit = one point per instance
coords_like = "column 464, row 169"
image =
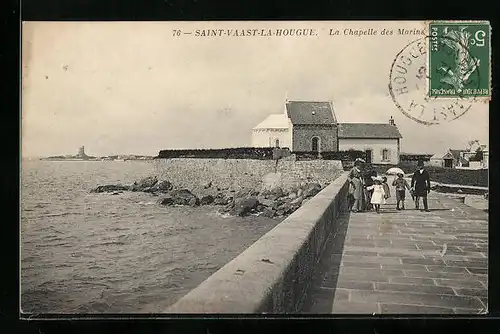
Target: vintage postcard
column 292, row 167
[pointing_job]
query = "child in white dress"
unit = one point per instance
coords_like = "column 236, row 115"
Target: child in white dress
column 378, row 194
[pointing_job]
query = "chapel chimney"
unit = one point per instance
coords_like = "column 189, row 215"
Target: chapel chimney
column 391, row 121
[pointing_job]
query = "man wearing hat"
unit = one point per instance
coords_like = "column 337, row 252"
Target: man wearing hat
column 421, row 185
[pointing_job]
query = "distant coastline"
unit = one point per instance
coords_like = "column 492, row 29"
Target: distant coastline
column 82, row 156
column 90, row 158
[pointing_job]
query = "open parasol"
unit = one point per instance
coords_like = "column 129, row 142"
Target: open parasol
column 395, row 171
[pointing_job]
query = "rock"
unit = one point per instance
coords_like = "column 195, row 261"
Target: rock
column 297, row 201
column 254, row 193
column 146, row 182
column 205, row 200
column 167, row 201
column 280, row 212
column 272, row 197
column 265, row 202
column 265, row 193
column 220, row 200
column 260, row 208
column 110, row 188
column 148, row 189
column 311, row 189
column 241, row 193
column 208, row 185
column 269, row 213
column 243, row 206
column 227, row 208
column 300, row 192
column 117, row 193
column 194, row 201
column 163, row 186
column 292, row 195
column 183, row 197
column 277, row 191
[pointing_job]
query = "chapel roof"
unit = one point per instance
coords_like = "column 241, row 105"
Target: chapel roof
column 273, row 121
column 310, row 113
column 368, row 130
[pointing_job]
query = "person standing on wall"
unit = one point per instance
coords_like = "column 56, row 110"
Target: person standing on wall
column 357, row 190
column 421, row 185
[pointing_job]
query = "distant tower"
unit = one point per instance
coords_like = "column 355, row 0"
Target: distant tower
column 81, row 152
column 391, row 121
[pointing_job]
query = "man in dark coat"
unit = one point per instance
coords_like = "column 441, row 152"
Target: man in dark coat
column 421, row 185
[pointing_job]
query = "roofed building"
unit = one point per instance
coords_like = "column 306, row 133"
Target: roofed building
column 311, row 126
column 459, row 158
column 443, row 159
column 272, row 132
column 380, row 141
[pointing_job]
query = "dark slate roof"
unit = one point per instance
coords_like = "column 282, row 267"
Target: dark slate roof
column 456, row 154
column 310, row 113
column 368, row 130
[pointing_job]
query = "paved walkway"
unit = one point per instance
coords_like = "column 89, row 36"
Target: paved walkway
column 405, row 262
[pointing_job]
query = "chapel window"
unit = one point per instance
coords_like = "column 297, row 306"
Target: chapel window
column 315, row 144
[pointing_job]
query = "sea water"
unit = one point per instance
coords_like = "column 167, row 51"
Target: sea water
column 102, row 253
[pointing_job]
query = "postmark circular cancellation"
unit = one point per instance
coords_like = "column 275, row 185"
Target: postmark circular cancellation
column 408, row 87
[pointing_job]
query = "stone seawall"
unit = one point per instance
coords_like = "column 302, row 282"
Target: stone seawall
column 273, row 274
column 244, row 173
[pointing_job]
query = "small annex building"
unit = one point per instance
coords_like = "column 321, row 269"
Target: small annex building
column 311, row 126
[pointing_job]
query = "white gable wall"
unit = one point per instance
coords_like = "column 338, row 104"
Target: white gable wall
column 436, row 162
column 376, row 145
column 267, row 137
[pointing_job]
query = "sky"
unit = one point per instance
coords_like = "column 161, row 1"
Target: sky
column 134, row 88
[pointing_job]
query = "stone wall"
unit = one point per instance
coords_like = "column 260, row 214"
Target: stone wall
column 274, row 273
column 244, row 173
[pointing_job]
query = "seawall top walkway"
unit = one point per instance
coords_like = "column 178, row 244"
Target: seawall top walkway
column 405, row 262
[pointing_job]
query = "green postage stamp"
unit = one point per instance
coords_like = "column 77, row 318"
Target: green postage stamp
column 459, row 59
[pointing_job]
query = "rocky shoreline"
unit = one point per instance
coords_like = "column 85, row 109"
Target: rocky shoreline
column 269, row 202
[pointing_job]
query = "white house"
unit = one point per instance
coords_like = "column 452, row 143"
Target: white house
column 486, row 155
column 443, row 159
column 311, row 126
column 380, row 141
